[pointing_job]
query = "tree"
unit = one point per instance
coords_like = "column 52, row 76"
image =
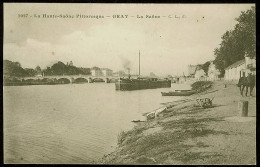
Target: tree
column 31, row 72
column 38, row 69
column 85, row 71
column 58, row 68
column 47, row 71
column 152, row 74
column 205, row 67
column 245, row 31
column 238, row 42
column 61, row 69
column 13, row 69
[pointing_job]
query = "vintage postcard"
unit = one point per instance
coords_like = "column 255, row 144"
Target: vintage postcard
column 168, row 84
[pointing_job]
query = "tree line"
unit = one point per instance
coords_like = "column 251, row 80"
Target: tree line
column 237, row 42
column 14, row 69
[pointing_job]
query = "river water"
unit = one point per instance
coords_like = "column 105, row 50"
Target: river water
column 73, row 123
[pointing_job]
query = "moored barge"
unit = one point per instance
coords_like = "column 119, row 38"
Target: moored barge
column 142, row 83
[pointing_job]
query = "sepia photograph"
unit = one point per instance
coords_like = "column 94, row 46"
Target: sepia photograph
column 129, row 84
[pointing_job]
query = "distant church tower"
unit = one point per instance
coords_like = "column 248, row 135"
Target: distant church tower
column 71, row 63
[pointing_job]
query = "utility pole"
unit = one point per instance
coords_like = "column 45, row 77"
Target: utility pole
column 139, row 63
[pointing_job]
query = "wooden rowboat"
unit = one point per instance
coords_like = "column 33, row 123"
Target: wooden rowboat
column 137, row 121
column 178, row 93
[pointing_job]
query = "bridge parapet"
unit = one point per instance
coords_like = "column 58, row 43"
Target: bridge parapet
column 72, row 78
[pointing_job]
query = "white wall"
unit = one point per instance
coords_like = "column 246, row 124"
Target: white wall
column 107, row 72
column 200, row 73
column 96, row 72
column 234, row 73
column 213, row 73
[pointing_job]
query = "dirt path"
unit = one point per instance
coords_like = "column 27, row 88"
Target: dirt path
column 188, row 134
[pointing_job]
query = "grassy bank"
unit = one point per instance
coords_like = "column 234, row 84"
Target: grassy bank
column 189, row 134
column 201, row 85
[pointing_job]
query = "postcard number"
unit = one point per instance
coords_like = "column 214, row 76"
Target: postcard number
column 22, row 15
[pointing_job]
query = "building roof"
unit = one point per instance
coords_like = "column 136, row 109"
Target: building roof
column 236, row 64
column 106, row 69
column 95, row 68
column 119, row 72
column 193, row 68
column 199, row 67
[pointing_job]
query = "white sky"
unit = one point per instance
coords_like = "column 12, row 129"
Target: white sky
column 167, row 45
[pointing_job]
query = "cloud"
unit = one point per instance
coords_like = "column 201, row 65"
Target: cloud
column 101, row 46
column 106, row 47
column 167, row 45
column 97, row 47
column 30, row 54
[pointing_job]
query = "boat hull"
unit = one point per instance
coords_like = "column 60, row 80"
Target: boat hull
column 140, row 84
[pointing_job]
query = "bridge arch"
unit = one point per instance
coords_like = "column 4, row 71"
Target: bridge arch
column 98, row 80
column 81, row 80
column 113, row 80
column 63, row 81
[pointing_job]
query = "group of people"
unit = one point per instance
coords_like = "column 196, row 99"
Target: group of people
column 246, row 82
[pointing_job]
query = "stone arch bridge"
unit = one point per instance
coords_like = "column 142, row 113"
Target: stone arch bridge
column 76, row 78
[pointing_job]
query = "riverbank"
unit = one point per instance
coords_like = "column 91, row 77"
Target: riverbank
column 189, row 134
